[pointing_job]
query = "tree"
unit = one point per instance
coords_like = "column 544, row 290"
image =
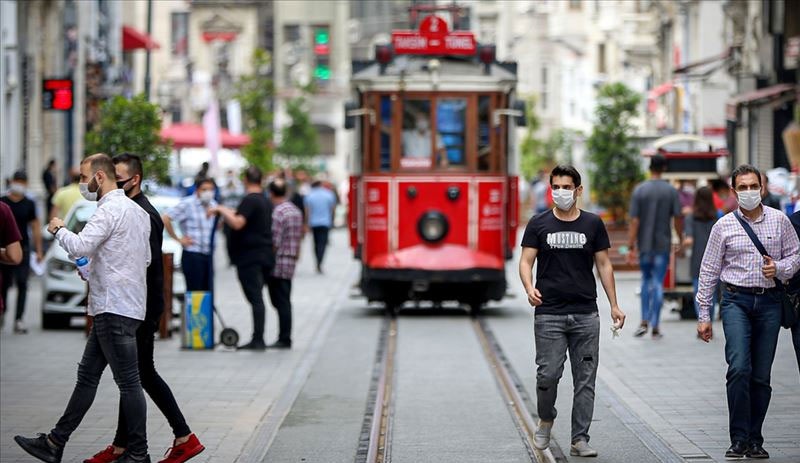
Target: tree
column 616, row 167
column 299, row 138
column 131, row 126
column 255, row 93
column 533, row 155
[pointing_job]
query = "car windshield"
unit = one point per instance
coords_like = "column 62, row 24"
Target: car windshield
column 79, row 217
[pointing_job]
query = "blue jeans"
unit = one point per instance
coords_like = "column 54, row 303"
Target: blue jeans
column 111, row 342
column 654, row 268
column 751, row 323
column 695, row 285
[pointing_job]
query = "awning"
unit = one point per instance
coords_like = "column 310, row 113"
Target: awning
column 776, row 94
column 193, row 136
column 135, row 40
column 705, row 66
column 654, row 93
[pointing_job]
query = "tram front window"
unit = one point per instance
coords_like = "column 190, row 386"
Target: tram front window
column 418, row 136
column 451, row 115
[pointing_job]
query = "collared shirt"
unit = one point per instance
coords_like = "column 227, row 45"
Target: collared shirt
column 320, row 203
column 116, row 241
column 733, row 258
column 191, row 216
column 287, row 230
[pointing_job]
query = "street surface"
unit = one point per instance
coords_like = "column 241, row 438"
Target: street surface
column 657, row 401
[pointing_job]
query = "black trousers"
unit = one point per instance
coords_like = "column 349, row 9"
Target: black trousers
column 280, row 291
column 17, row 274
column 196, row 269
column 154, row 386
column 253, row 277
column 320, row 242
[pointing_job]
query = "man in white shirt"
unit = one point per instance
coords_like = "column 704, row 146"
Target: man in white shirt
column 417, row 142
column 116, row 242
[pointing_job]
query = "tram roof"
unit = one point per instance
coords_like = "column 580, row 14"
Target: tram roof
column 417, row 75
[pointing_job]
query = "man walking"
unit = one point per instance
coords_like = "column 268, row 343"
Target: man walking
column 197, row 225
column 654, row 203
column 287, row 231
column 24, row 210
column 567, row 242
column 251, row 248
column 115, row 239
column 66, row 196
column 129, row 176
column 50, row 185
column 750, row 308
column 320, row 203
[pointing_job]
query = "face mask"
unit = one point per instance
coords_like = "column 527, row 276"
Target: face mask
column 206, row 196
column 749, row 200
column 17, row 188
column 87, row 195
column 121, row 184
column 422, row 125
column 563, row 199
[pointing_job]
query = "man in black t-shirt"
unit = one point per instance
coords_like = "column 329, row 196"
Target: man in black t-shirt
column 251, row 248
column 567, row 242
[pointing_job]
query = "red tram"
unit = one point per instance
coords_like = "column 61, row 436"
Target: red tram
column 433, row 199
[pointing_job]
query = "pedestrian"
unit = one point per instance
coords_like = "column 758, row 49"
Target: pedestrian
column 10, row 247
column 115, row 239
column 24, row 211
column 66, row 196
column 751, row 312
column 794, row 286
column 767, row 197
column 129, row 174
column 697, row 230
column 50, row 184
column 653, row 205
column 287, row 233
column 319, row 203
column 196, row 225
column 251, row 250
column 567, row 242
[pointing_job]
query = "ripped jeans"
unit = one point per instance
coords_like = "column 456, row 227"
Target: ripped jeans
column 555, row 335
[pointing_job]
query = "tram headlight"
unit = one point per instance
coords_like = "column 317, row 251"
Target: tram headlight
column 432, row 226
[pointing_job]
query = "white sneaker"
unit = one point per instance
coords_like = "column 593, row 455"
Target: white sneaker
column 581, row 448
column 541, row 438
column 19, row 327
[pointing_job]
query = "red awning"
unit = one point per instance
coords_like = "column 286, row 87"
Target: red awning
column 193, row 136
column 710, row 60
column 135, row 40
column 762, row 95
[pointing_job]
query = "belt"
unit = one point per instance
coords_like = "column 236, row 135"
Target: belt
column 743, row 289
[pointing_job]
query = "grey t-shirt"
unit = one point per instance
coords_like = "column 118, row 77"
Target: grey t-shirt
column 655, row 202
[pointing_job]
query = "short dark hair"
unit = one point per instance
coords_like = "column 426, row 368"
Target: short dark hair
column 253, row 175
column 277, row 188
column 20, row 175
column 199, row 181
column 101, row 161
column 658, row 163
column 742, row 170
column 564, row 170
column 131, row 160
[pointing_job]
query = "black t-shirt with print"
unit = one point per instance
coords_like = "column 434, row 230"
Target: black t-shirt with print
column 565, row 260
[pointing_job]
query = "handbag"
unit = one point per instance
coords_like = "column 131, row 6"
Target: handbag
column 790, row 302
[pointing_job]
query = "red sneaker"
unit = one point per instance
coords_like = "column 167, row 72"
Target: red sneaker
column 185, row 451
column 104, row 456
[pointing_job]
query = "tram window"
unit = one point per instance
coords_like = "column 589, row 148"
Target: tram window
column 386, row 130
column 484, row 127
column 417, row 136
column 451, row 126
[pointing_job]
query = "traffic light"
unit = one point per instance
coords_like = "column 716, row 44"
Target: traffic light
column 322, row 51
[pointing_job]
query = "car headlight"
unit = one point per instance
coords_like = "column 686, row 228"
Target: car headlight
column 432, row 226
column 58, row 265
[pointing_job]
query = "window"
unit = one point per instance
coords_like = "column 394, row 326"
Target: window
column 575, row 4
column 179, row 39
column 601, row 58
column 484, row 128
column 385, row 145
column 451, row 114
column 543, row 92
column 418, row 136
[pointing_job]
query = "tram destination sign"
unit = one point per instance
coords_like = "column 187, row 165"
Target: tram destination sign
column 433, row 38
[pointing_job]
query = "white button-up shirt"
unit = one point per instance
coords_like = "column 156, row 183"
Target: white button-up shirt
column 116, row 241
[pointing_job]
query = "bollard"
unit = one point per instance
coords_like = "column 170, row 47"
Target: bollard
column 166, row 316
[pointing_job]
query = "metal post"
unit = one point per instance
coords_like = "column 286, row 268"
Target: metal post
column 166, row 315
column 147, row 60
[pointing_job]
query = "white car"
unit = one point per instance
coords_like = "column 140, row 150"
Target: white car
column 64, row 293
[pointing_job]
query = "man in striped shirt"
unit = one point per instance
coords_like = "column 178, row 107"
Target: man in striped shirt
column 750, row 306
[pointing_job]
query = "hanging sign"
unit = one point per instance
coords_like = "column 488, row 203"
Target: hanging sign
column 433, row 38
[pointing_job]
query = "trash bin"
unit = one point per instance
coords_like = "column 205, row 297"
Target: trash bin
column 197, row 321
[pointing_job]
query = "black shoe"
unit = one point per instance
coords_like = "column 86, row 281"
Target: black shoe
column 756, row 451
column 253, row 345
column 280, row 345
column 128, row 458
column 641, row 331
column 40, row 448
column 736, row 451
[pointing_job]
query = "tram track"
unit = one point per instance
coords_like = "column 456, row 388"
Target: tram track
column 375, row 443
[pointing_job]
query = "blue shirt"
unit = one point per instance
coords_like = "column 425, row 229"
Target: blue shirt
column 320, row 203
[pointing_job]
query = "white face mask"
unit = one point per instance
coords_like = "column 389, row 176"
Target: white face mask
column 564, row 199
column 422, row 125
column 749, row 200
column 206, row 196
column 87, row 195
column 17, row 188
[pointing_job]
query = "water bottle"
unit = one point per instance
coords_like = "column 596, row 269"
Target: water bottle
column 83, row 267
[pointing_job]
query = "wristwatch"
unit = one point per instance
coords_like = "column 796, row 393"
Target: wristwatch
column 57, row 229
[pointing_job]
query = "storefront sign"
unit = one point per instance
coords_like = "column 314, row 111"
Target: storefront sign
column 433, row 38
